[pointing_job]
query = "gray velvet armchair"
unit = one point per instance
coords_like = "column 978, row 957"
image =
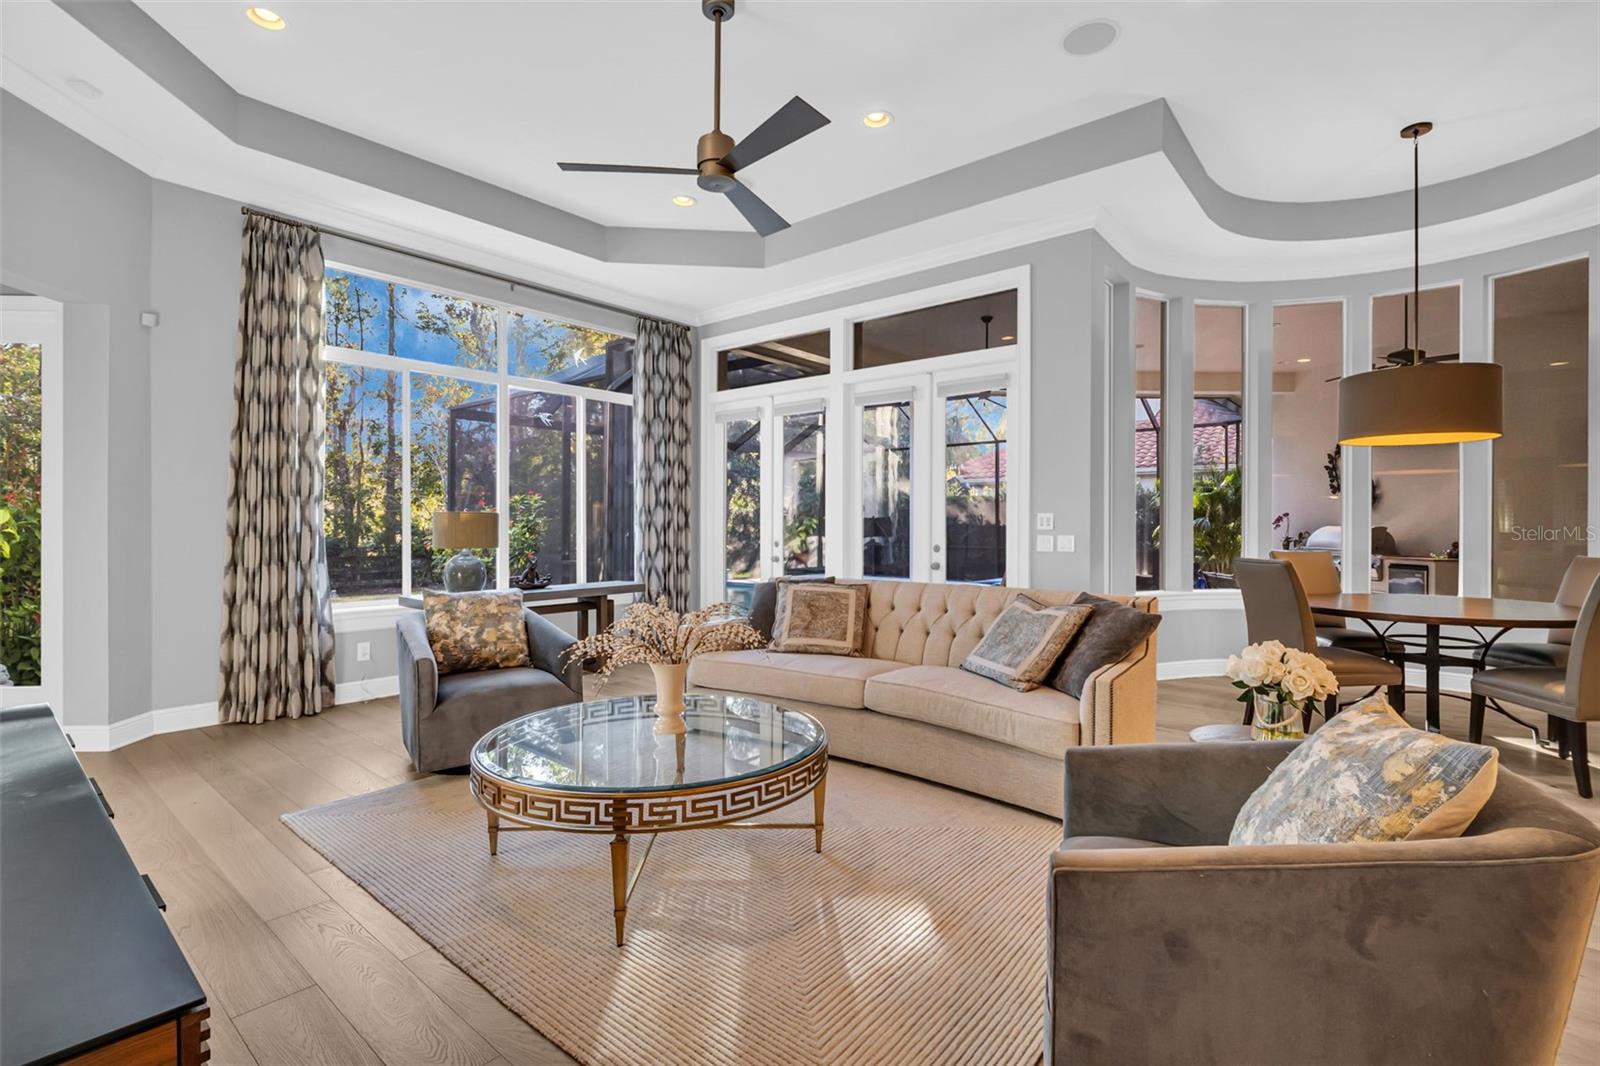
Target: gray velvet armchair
column 441, row 717
column 1168, row 946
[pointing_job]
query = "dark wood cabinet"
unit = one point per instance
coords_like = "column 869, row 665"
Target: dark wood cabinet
column 90, row 974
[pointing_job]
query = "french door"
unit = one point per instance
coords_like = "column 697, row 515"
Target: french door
column 774, row 498
column 923, row 474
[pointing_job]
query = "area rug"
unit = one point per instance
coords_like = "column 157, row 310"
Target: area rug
column 917, row 936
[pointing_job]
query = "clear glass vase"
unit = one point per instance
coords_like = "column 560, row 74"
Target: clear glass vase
column 1277, row 719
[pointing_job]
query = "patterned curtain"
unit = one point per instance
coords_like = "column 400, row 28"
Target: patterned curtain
column 277, row 622
column 661, row 409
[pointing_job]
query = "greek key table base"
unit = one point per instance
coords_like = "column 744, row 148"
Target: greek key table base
column 515, row 807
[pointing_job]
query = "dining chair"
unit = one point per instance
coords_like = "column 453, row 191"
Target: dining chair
column 1569, row 695
column 1552, row 652
column 1320, row 577
column 1275, row 608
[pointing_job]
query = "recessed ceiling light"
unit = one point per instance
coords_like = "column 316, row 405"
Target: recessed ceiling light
column 86, row 89
column 876, row 120
column 683, row 201
column 265, row 17
column 1090, row 37
column 1562, row 362
column 1008, row 337
column 1303, row 359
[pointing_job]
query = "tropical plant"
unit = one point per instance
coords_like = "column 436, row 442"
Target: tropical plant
column 1218, row 518
column 21, row 569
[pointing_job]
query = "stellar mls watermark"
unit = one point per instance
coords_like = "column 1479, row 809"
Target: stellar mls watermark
column 1547, row 534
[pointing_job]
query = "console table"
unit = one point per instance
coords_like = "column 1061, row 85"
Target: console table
column 593, row 596
column 90, row 973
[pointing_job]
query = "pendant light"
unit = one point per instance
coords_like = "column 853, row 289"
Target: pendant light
column 1420, row 401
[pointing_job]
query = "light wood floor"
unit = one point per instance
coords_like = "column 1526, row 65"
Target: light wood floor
column 301, row 966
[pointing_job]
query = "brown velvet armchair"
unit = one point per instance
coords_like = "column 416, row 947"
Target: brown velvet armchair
column 1166, row 945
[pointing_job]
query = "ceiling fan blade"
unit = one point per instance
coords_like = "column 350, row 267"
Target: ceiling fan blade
column 763, row 219
column 788, row 124
column 622, row 168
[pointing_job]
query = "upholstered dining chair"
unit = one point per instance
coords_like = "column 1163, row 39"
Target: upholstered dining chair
column 1575, row 584
column 1275, row 608
column 1569, row 695
column 1319, row 577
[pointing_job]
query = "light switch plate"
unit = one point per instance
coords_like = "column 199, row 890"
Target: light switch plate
column 1066, row 542
column 1044, row 542
column 1044, row 520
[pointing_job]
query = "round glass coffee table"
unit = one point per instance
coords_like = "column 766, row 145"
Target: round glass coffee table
column 601, row 767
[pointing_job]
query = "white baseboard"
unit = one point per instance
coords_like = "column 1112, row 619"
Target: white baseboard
column 1177, row 668
column 130, row 730
column 371, row 688
column 198, row 715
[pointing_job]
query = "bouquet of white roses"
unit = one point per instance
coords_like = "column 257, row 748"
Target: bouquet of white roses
column 1280, row 675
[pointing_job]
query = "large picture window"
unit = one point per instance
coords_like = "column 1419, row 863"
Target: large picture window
column 1149, row 369
column 1541, row 483
column 421, row 385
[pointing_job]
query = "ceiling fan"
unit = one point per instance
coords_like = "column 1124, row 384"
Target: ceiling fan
column 1407, row 356
column 718, row 157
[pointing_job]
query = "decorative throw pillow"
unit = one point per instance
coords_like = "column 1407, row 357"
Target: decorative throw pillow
column 820, row 617
column 764, row 603
column 1368, row 776
column 475, row 630
column 1112, row 631
column 1025, row 642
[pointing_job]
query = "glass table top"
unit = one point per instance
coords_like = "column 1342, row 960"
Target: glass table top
column 611, row 745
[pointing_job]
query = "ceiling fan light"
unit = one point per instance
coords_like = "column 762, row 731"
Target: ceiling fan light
column 1429, row 403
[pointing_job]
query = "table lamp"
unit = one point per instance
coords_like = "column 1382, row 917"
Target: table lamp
column 465, row 530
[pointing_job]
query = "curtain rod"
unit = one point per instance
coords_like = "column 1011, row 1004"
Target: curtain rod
column 451, row 263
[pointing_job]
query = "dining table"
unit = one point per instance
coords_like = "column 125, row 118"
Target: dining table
column 1488, row 617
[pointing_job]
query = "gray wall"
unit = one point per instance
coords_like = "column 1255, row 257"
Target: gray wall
column 194, row 285
column 77, row 230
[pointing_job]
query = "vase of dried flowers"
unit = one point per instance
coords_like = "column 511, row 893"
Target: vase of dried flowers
column 666, row 640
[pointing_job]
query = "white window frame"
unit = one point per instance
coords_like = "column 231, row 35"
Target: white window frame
column 36, row 320
column 356, row 612
column 839, row 392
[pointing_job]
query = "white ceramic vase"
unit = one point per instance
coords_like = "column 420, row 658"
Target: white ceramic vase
column 670, row 681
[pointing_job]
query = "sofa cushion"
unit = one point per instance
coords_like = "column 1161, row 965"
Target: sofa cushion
column 475, row 630
column 1024, row 643
column 1368, row 776
column 822, row 618
column 835, row 680
column 1088, row 843
column 1042, row 721
column 1112, row 631
column 764, row 603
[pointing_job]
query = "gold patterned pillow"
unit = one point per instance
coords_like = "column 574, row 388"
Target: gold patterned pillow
column 820, row 618
column 1368, row 776
column 475, row 630
column 1024, row 643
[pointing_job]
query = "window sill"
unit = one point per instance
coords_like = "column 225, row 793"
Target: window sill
column 367, row 615
column 1197, row 599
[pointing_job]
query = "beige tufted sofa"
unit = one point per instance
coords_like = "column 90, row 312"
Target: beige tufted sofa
column 907, row 706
